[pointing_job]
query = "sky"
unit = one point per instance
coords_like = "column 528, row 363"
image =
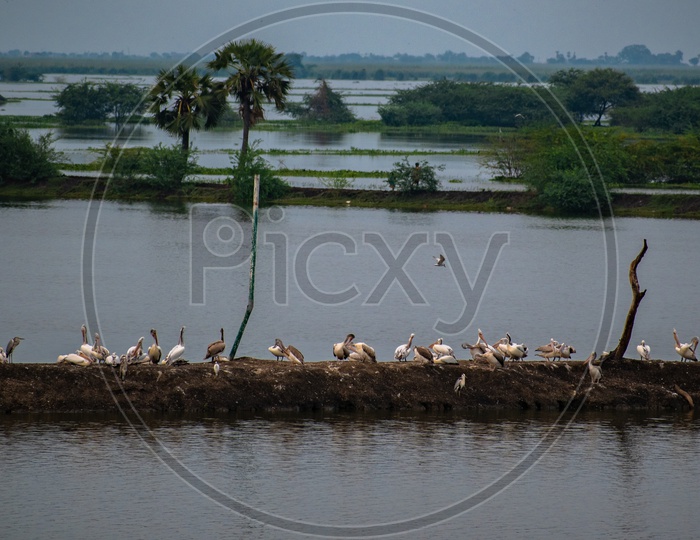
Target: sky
column 588, row 28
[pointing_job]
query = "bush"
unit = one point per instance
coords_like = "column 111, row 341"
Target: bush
column 162, row 169
column 23, row 159
column 245, row 167
column 406, row 178
column 573, row 192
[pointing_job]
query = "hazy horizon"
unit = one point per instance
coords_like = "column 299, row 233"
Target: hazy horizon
column 539, row 27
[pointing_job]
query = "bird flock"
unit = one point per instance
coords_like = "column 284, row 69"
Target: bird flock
column 495, row 354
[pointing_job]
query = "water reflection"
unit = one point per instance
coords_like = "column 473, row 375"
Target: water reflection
column 350, row 469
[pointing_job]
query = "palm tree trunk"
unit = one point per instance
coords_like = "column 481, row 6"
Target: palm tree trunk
column 246, row 130
column 185, row 141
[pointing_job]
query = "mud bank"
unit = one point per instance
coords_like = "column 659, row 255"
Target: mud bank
column 249, row 384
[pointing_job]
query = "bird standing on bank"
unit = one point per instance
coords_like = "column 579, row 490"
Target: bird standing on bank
column 644, row 351
column 215, row 349
column 178, row 350
column 461, row 383
column 11, row 346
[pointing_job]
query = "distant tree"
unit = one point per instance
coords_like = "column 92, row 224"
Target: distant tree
column 324, row 105
column 18, row 72
column 124, row 101
column 595, row 92
column 182, row 100
column 636, row 54
column 671, row 109
column 84, row 102
column 526, row 58
column 256, row 74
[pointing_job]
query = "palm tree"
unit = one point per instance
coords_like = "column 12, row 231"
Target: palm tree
column 257, row 74
column 182, row 100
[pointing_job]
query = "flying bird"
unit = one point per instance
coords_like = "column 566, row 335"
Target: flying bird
column 439, row 261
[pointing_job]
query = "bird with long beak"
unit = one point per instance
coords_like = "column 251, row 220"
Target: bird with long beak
column 154, row 351
column 686, row 350
column 11, row 346
column 461, row 383
column 342, row 350
column 291, row 353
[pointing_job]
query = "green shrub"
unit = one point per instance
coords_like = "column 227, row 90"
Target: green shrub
column 245, row 167
column 573, row 192
column 25, row 160
column 420, row 176
column 162, row 169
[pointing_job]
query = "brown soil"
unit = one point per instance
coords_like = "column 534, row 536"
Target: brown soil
column 249, row 384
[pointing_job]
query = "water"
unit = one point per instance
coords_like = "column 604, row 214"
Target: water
column 324, row 272
column 609, row 475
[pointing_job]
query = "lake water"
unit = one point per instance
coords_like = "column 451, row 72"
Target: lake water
column 324, row 272
column 615, row 476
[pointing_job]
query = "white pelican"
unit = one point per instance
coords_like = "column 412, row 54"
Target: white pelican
column 566, row 350
column 276, row 351
column 216, row 369
column 177, row 351
column 422, row 354
column 515, row 351
column 369, row 352
column 154, row 351
column 474, row 350
column 74, row 358
column 686, row 350
column 135, row 352
column 492, row 355
column 445, row 359
column 99, row 352
column 402, row 351
column 85, row 348
column 644, row 351
column 594, row 371
column 291, row 353
column 215, row 349
column 441, row 349
column 553, row 344
column 3, row 356
column 440, row 261
column 461, row 383
column 112, row 359
column 342, row 350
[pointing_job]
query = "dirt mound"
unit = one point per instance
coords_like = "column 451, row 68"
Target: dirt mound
column 249, row 384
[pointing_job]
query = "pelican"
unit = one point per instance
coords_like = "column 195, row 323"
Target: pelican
column 85, row 347
column 3, row 356
column 135, row 352
column 644, row 351
column 291, row 353
column 99, row 352
column 276, row 351
column 686, row 350
column 216, row 369
column 215, row 349
column 422, row 354
column 154, row 351
column 445, row 359
column 461, row 383
column 477, row 348
column 441, row 349
column 112, row 359
column 566, row 350
column 402, row 351
column 342, row 350
column 553, row 344
column 492, row 354
column 594, row 371
column 516, row 351
column 74, row 358
column 177, row 351
column 440, row 261
column 369, row 352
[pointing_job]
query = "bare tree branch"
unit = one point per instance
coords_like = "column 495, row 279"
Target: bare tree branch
column 637, row 295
